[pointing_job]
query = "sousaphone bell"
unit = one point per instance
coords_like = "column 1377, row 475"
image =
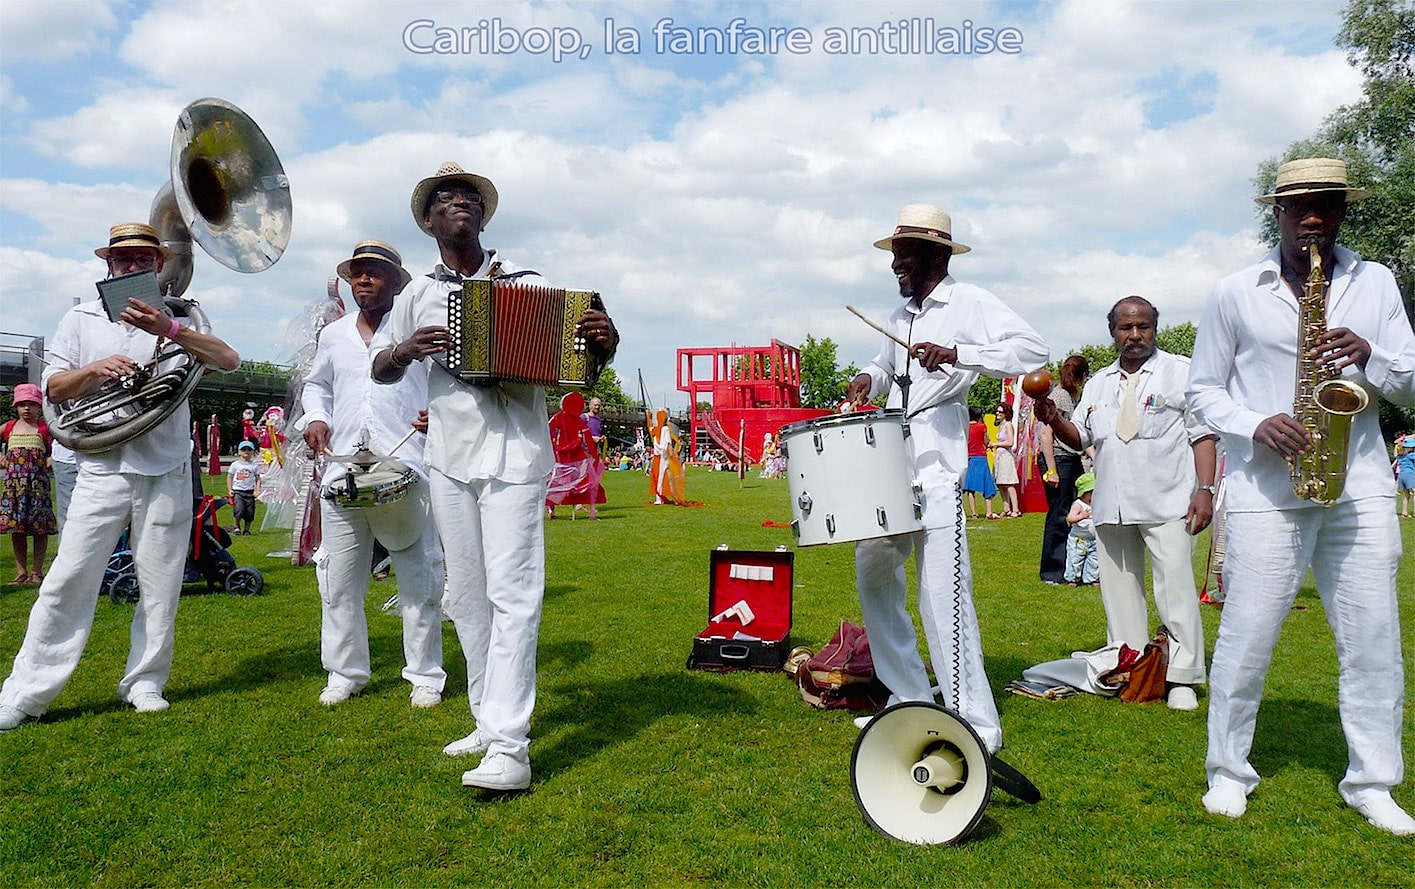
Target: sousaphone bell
column 229, row 193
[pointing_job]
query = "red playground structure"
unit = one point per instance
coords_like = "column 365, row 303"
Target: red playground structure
column 754, row 390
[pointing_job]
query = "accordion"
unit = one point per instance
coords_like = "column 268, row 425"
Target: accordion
column 502, row 329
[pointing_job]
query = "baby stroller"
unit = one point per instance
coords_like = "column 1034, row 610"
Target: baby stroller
column 207, row 559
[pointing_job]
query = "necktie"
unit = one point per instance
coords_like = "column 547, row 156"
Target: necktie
column 1127, row 424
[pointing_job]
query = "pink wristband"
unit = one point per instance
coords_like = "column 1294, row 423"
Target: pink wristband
column 176, row 328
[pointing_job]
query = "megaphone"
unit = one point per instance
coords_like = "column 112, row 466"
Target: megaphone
column 922, row 775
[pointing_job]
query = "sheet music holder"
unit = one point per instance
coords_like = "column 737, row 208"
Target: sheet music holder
column 142, row 286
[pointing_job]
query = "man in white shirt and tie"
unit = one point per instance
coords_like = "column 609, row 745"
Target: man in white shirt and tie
column 1154, row 490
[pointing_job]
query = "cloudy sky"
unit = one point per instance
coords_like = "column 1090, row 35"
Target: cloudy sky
column 713, row 197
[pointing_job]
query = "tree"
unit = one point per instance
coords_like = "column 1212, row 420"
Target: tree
column 1376, row 138
column 822, row 383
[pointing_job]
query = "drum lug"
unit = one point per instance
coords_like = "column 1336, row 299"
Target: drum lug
column 918, row 498
column 805, row 502
column 820, row 445
column 870, row 435
column 830, row 525
column 880, row 518
column 796, row 528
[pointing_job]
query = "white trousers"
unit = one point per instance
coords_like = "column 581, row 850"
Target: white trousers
column 955, row 644
column 1127, row 618
column 1353, row 549
column 159, row 511
column 342, row 568
column 494, row 544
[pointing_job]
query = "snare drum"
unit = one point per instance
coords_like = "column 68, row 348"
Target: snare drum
column 850, row 478
column 379, row 486
column 390, row 496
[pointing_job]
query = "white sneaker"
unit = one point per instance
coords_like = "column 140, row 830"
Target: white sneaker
column 499, row 771
column 862, row 721
column 337, row 694
column 474, row 743
column 1182, row 697
column 1386, row 813
column 426, row 697
column 11, row 717
column 149, row 702
column 1227, row 799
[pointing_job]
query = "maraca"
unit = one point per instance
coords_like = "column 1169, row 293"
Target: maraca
column 1037, row 383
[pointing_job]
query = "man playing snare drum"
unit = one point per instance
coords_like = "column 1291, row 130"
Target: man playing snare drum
column 345, row 410
column 956, row 333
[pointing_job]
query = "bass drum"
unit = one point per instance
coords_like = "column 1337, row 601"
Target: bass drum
column 850, row 478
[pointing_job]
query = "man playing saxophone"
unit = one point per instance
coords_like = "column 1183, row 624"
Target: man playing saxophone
column 1243, row 379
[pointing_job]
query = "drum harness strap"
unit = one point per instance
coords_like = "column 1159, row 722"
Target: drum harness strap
column 903, row 381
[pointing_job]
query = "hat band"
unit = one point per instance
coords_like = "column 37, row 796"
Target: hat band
column 1313, row 186
column 917, row 230
column 134, row 236
column 372, row 251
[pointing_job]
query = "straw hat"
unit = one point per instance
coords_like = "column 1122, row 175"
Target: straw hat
column 133, row 234
column 451, row 172
column 1310, row 175
column 378, row 252
column 926, row 223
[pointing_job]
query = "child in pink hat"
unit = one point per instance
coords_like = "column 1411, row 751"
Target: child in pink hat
column 25, row 473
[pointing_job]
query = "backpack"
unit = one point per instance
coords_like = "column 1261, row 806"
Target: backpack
column 842, row 675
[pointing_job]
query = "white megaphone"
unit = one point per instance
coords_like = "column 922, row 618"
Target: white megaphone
column 922, row 775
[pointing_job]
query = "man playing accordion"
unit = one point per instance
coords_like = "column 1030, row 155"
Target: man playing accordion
column 489, row 456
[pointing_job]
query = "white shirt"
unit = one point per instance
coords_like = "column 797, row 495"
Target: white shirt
column 474, row 432
column 340, row 391
column 991, row 340
column 1244, row 370
column 86, row 335
column 1150, row 478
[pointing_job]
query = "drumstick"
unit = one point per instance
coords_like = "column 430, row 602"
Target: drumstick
column 402, row 441
column 861, row 316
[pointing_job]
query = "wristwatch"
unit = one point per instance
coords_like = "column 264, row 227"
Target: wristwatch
column 1210, row 488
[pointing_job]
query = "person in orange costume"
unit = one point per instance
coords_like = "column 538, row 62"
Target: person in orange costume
column 666, row 473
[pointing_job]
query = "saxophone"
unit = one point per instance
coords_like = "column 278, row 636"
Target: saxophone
column 1324, row 403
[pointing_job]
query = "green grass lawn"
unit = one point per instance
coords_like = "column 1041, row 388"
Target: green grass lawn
column 647, row 773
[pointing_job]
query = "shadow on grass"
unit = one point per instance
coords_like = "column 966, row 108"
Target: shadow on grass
column 593, row 716
column 1301, row 733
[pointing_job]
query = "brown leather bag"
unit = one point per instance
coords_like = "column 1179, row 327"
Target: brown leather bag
column 1147, row 676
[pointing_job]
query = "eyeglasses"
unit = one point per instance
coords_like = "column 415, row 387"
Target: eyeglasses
column 448, row 195
column 141, row 258
column 1322, row 205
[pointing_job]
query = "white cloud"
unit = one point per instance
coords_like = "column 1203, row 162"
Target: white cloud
column 43, row 30
column 725, row 200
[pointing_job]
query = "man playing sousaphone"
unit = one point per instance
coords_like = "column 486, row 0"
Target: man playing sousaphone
column 1242, row 385
column 344, row 411
column 489, row 456
column 143, row 483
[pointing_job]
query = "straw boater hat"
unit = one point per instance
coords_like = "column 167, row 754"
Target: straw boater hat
column 133, row 234
column 1309, row 175
column 926, row 223
column 451, row 172
column 379, row 252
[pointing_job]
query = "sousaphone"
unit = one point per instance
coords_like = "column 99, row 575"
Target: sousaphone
column 229, row 193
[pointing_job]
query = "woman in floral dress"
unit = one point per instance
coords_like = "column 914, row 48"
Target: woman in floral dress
column 26, row 509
